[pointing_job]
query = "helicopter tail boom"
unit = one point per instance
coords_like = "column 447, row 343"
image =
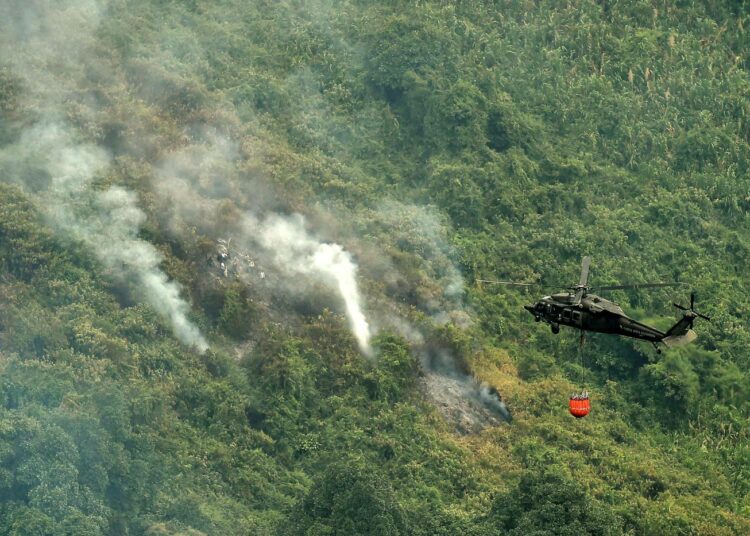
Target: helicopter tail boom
column 680, row 340
column 682, row 326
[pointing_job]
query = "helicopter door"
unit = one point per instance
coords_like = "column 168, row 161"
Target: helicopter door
column 566, row 315
column 577, row 318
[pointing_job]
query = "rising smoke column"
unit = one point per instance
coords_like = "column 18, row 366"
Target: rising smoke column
column 121, row 251
column 295, row 251
column 59, row 171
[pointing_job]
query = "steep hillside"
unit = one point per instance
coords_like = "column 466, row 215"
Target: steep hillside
column 240, row 245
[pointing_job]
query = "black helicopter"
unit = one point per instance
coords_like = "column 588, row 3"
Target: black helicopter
column 589, row 312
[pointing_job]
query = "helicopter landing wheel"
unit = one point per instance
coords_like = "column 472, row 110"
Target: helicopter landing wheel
column 555, row 328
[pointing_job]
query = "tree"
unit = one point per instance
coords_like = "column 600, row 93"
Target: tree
column 547, row 502
column 351, row 499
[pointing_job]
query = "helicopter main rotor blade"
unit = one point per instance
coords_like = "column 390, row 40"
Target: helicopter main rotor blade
column 512, row 283
column 639, row 285
column 584, row 271
column 582, row 283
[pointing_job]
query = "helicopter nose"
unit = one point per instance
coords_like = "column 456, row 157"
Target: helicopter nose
column 529, row 308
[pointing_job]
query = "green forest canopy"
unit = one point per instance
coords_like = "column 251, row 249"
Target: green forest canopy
column 504, row 139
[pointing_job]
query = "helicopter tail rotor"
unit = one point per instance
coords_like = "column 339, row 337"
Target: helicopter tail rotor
column 682, row 332
column 690, row 311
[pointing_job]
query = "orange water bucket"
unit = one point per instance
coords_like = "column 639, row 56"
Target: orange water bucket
column 579, row 405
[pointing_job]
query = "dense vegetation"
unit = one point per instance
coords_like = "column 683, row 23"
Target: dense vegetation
column 505, row 138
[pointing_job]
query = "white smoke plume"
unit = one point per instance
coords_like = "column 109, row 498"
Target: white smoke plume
column 106, row 221
column 118, row 247
column 295, row 251
column 194, row 193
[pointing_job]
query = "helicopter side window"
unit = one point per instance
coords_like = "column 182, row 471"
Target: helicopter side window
column 566, row 314
column 577, row 317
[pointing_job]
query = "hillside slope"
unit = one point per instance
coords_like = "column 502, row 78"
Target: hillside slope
column 362, row 164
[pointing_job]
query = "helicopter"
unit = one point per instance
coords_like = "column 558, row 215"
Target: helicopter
column 581, row 310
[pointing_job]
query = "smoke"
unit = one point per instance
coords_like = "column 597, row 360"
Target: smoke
column 420, row 232
column 491, row 398
column 113, row 236
column 424, row 266
column 200, row 186
column 296, row 252
column 423, row 230
column 461, row 399
column 60, row 172
column 47, row 45
column 470, row 405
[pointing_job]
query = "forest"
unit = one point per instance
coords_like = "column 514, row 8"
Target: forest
column 241, row 253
